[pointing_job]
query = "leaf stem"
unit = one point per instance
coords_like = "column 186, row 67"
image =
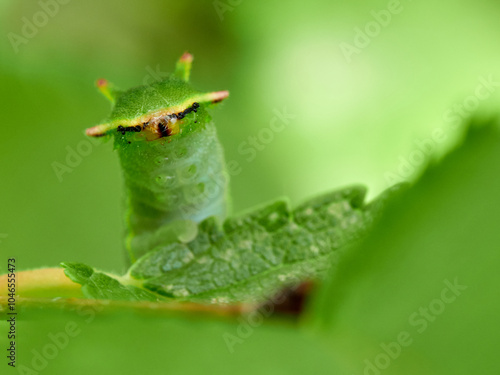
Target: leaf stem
column 43, row 282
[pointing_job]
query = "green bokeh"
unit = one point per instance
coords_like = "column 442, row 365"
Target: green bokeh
column 428, row 271
column 137, row 343
column 354, row 122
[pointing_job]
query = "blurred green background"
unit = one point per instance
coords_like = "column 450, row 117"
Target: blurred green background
column 354, row 121
column 369, row 120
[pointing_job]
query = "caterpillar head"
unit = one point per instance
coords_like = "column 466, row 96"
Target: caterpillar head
column 157, row 110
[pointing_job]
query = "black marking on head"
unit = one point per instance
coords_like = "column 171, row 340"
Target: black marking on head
column 135, row 129
column 193, row 108
column 163, row 128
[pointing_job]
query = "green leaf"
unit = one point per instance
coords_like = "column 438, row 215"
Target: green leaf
column 101, row 286
column 420, row 294
column 247, row 260
column 254, row 255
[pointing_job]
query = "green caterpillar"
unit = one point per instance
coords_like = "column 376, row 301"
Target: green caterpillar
column 172, row 161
